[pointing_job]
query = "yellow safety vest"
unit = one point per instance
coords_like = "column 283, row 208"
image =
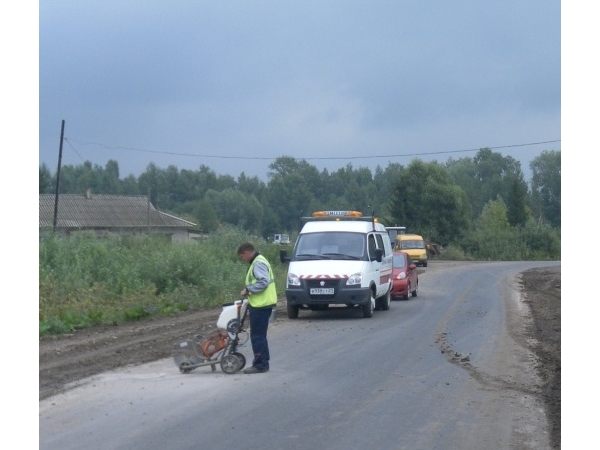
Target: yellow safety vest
column 268, row 297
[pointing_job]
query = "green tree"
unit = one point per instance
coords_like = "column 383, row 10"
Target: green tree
column 152, row 182
column 207, row 217
column 350, row 189
column 237, row 208
column 545, row 186
column 78, row 179
column 225, row 182
column 464, row 173
column 204, row 213
column 252, row 185
column 129, row 186
column 427, row 202
column 384, row 181
column 46, row 183
column 485, row 177
column 542, row 241
column 493, row 237
column 517, row 210
column 109, row 179
column 494, row 217
column 186, row 188
column 289, row 198
column 205, row 179
column 291, row 191
column 171, row 194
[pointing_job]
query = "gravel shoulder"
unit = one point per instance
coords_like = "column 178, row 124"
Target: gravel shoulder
column 64, row 361
column 541, row 291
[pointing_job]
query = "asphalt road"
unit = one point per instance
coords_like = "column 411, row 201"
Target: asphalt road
column 448, row 369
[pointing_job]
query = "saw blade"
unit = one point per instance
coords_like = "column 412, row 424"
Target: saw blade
column 186, row 357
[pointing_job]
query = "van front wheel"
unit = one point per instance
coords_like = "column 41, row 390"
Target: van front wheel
column 369, row 307
column 292, row 311
column 383, row 302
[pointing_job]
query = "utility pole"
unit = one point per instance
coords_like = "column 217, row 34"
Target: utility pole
column 62, row 133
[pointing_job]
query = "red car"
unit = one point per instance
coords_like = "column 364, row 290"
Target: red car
column 405, row 279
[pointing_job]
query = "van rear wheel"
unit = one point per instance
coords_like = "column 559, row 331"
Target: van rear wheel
column 292, row 311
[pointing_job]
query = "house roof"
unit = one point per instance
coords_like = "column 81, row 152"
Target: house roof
column 105, row 211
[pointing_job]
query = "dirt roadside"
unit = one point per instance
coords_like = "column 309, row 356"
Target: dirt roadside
column 67, row 359
column 541, row 291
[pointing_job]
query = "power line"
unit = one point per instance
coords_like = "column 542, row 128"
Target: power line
column 74, row 149
column 309, row 158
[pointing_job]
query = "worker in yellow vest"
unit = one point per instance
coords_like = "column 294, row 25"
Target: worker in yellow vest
column 262, row 298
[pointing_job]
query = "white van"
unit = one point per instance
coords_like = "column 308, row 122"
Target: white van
column 340, row 258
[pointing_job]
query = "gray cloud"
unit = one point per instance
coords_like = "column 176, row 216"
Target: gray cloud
column 307, row 79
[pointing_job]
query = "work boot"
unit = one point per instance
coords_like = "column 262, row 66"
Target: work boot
column 254, row 369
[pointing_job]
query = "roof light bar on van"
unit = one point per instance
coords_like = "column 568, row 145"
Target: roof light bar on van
column 339, row 216
column 342, row 214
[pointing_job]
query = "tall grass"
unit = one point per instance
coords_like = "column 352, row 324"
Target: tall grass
column 86, row 281
column 532, row 242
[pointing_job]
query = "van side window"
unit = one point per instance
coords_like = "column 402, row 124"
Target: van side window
column 380, row 244
column 372, row 246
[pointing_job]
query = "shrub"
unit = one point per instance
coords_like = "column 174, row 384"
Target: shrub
column 86, row 280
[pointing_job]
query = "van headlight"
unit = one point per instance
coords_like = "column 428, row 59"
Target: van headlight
column 354, row 279
column 293, row 280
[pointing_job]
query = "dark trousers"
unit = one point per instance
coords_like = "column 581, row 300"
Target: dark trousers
column 259, row 322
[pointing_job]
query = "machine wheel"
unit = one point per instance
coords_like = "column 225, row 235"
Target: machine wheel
column 368, row 308
column 242, row 358
column 184, row 367
column 186, row 361
column 292, row 311
column 232, row 363
column 424, row 263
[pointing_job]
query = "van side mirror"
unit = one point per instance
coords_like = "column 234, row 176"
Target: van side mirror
column 283, row 257
column 378, row 254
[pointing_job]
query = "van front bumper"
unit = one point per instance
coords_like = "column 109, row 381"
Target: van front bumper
column 342, row 296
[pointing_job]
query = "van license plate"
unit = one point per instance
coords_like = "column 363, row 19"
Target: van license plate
column 321, row 291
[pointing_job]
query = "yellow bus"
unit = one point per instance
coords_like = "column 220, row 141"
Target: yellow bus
column 414, row 245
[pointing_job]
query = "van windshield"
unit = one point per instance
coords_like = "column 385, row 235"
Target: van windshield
column 412, row 244
column 330, row 245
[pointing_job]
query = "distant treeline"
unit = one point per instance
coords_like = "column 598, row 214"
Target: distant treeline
column 469, row 204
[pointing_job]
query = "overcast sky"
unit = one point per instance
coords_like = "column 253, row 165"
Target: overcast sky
column 235, row 84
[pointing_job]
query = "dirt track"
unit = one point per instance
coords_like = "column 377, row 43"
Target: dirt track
column 65, row 360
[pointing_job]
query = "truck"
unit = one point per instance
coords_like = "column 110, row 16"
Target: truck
column 281, row 239
column 340, row 259
column 395, row 231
